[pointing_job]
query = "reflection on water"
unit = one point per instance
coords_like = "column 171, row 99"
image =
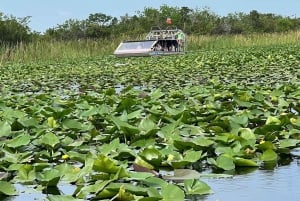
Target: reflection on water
column 29, row 192
column 279, row 184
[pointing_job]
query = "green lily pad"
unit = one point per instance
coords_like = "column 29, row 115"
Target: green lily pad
column 50, row 139
column 147, row 127
column 269, row 155
column 7, row 188
column 76, row 125
column 196, row 187
column 151, row 155
column 288, row 143
column 19, row 141
column 105, row 164
column 62, row 198
column 5, row 129
column 49, row 177
column 171, row 192
column 273, row 120
column 223, row 162
column 247, row 134
column 242, row 162
column 25, row 174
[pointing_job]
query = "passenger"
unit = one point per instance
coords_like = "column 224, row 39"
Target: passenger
column 180, row 40
column 175, row 44
column 169, row 45
column 158, row 47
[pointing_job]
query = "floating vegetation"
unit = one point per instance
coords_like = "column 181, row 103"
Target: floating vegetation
column 67, row 123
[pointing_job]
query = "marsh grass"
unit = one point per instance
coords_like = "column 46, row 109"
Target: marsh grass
column 56, row 50
column 234, row 41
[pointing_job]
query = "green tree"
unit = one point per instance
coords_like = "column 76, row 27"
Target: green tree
column 14, row 30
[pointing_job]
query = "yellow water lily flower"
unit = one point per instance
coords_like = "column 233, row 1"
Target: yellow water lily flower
column 75, row 169
column 262, row 141
column 65, row 157
column 170, row 157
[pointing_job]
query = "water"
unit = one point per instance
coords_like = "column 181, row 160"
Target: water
column 279, row 184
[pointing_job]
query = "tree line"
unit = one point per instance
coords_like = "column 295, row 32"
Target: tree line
column 191, row 21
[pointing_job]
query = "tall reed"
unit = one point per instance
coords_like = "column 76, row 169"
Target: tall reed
column 196, row 42
column 42, row 50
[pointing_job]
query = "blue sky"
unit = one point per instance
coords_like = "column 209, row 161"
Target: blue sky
column 49, row 13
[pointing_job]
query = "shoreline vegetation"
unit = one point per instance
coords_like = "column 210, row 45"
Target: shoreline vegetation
column 53, row 50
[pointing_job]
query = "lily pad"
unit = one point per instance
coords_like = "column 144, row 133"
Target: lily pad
column 7, row 188
column 171, row 192
column 196, row 187
column 269, row 155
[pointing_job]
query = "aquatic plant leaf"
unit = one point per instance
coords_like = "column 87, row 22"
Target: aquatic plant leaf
column 5, row 129
column 247, row 134
column 295, row 121
column 105, row 164
column 288, row 143
column 124, row 126
column 168, row 131
column 123, row 195
column 19, row 141
column 156, row 94
column 224, row 162
column 98, row 186
column 141, row 162
column 76, row 125
column 147, row 126
column 50, row 139
column 203, row 142
column 265, row 145
column 135, row 115
column 269, row 155
column 122, row 173
column 273, row 120
column 196, row 187
column 49, row 177
column 62, row 198
column 183, row 174
column 150, row 199
column 51, row 122
column 140, row 175
column 25, row 174
column 154, row 182
column 7, row 188
column 29, row 123
column 174, row 111
column 244, row 162
column 192, row 156
column 171, row 192
column 112, row 146
column 90, row 112
column 240, row 119
column 151, row 155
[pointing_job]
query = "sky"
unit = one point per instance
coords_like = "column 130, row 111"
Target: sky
column 50, row 13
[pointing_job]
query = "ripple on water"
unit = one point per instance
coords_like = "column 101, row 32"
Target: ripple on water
column 279, row 184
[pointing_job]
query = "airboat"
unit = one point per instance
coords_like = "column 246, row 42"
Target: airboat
column 168, row 41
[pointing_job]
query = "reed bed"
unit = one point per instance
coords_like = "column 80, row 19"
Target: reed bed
column 232, row 41
column 43, row 50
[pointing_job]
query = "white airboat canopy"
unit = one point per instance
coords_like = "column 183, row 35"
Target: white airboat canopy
column 158, row 42
column 135, row 48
